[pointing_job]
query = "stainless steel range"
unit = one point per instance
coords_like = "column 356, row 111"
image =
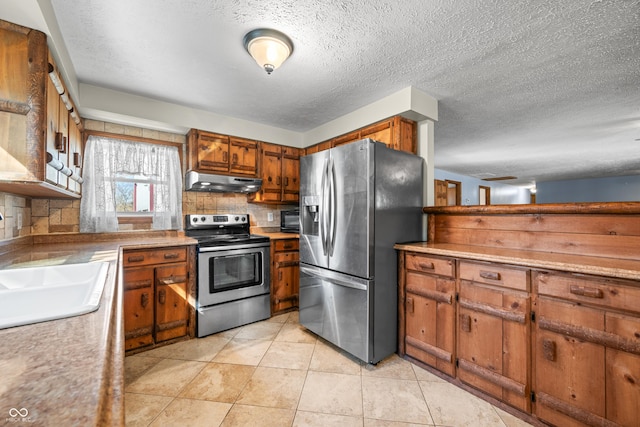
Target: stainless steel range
column 233, row 272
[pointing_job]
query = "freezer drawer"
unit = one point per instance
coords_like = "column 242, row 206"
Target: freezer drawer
column 336, row 307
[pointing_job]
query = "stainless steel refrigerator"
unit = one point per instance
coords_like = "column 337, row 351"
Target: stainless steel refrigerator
column 356, row 201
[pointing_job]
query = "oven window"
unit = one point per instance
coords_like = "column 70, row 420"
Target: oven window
column 235, row 271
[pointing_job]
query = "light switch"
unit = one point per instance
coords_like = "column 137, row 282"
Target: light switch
column 270, row 216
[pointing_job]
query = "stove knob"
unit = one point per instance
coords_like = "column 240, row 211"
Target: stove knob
column 244, row 218
column 194, row 219
column 237, row 218
column 203, row 219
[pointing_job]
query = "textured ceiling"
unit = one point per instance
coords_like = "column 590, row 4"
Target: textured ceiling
column 538, row 89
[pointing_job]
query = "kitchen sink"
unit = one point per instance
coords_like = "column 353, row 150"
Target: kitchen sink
column 37, row 294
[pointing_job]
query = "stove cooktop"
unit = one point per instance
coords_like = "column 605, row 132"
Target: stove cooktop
column 221, row 229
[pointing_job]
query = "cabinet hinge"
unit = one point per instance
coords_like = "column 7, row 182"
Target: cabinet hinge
column 532, row 395
column 533, row 316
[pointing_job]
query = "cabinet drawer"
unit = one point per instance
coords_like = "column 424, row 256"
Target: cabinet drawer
column 287, row 245
column 430, row 264
column 594, row 290
column 154, row 256
column 495, row 274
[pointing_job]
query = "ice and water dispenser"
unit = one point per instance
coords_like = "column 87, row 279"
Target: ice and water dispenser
column 310, row 215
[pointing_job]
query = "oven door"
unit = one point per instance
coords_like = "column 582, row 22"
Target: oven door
column 229, row 274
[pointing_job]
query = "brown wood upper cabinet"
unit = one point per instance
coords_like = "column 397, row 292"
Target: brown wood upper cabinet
column 36, row 119
column 396, row 132
column 223, row 154
column 280, row 173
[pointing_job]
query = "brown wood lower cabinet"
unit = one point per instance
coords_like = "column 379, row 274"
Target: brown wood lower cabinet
column 285, row 275
column 494, row 331
column 561, row 347
column 156, row 293
column 429, row 308
column 587, row 353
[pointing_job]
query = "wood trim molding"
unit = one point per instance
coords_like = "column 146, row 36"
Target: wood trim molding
column 618, row 208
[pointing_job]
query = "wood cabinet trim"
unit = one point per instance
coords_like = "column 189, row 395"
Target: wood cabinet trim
column 595, row 336
column 494, row 377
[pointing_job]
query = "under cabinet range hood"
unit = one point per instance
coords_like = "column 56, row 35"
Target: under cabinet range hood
column 195, row 181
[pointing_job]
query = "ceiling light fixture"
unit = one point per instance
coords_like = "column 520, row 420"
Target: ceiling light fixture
column 270, row 48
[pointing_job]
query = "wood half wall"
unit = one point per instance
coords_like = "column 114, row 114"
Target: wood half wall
column 610, row 230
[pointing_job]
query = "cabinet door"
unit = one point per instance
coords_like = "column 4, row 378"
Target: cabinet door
column 623, row 370
column 290, row 174
column 569, row 371
column 284, row 294
column 343, row 139
column 271, row 190
column 381, row 132
column 138, row 307
column 171, row 302
column 494, row 341
column 243, row 156
column 430, row 320
column 53, row 105
column 75, row 153
column 212, row 152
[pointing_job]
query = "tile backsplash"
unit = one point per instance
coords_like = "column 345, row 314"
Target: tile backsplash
column 16, row 211
column 24, row 216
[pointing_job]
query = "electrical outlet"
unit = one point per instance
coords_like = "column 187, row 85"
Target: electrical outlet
column 270, row 216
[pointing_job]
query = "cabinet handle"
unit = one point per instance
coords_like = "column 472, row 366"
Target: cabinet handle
column 286, row 181
column 409, row 305
column 491, row 275
column 172, row 255
column 234, row 158
column 549, row 349
column 58, row 142
column 279, row 275
column 278, row 180
column 426, row 266
column 465, row 322
column 77, row 160
column 162, row 296
column 135, row 258
column 584, row 291
column 144, row 299
column 287, row 246
column 171, row 280
column 225, row 156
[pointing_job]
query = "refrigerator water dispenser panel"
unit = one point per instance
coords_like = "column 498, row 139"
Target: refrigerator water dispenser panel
column 310, row 216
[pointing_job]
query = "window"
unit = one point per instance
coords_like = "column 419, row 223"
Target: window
column 130, row 178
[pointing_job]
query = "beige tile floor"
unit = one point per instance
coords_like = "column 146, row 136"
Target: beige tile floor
column 276, row 373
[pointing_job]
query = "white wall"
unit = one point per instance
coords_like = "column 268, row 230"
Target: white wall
column 501, row 194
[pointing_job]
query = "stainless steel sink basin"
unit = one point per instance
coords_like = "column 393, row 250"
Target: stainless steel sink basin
column 38, row 294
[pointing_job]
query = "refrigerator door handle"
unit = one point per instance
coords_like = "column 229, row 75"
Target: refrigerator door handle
column 335, row 278
column 323, row 208
column 334, row 206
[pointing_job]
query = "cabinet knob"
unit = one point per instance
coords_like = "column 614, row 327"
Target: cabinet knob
column 549, row 349
column 409, row 305
column 465, row 322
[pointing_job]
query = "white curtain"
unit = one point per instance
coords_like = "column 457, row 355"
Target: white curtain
column 105, row 158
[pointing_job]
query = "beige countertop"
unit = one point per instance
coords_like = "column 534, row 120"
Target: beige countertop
column 618, row 268
column 277, row 235
column 69, row 371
